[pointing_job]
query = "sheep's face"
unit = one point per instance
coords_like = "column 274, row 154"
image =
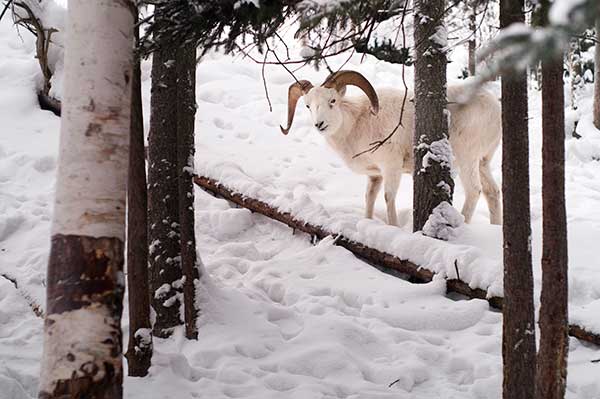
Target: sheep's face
column 324, row 106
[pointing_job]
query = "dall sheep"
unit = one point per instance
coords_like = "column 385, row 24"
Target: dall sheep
column 351, row 124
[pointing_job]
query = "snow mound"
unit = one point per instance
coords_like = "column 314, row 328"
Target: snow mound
column 443, row 223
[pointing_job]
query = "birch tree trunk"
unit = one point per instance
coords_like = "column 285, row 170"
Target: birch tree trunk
column 518, row 335
column 553, row 320
column 139, row 350
column 82, row 331
column 433, row 182
column 163, row 198
column 597, row 75
column 186, row 110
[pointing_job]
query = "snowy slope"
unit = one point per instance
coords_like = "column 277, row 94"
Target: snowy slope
column 282, row 318
column 240, row 144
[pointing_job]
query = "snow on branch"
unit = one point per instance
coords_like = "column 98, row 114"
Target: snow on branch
column 518, row 46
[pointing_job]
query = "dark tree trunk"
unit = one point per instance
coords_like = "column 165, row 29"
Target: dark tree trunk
column 163, row 198
column 473, row 41
column 433, row 183
column 551, row 376
column 186, row 110
column 553, row 320
column 597, row 75
column 139, row 351
column 518, row 343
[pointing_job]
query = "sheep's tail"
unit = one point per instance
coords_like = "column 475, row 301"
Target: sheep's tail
column 465, row 92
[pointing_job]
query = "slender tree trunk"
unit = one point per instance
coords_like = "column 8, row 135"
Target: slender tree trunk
column 139, row 351
column 186, row 110
column 473, row 41
column 518, row 346
column 163, row 198
column 433, row 182
column 82, row 331
column 575, row 72
column 597, row 75
column 553, row 320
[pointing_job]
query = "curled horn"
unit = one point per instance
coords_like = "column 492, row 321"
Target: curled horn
column 340, row 79
column 295, row 91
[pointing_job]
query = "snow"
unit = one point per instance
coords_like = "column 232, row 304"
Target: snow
column 281, row 317
column 443, row 222
column 560, row 13
column 439, row 152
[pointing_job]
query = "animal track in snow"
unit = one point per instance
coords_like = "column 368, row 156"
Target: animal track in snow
column 221, row 124
column 289, row 325
column 281, row 383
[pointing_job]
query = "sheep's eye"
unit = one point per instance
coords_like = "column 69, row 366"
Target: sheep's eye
column 332, row 101
column 307, row 106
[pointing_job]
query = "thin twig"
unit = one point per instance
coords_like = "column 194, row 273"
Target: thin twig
column 265, row 81
column 5, row 8
column 374, row 146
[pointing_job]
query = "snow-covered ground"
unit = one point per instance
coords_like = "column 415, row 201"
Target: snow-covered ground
column 284, row 318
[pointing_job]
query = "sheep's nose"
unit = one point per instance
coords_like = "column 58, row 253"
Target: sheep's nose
column 319, row 125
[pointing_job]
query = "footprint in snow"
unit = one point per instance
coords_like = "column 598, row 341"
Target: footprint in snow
column 221, row 124
column 289, row 325
column 280, row 383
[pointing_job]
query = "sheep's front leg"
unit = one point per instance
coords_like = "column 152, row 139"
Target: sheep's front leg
column 391, row 182
column 373, row 187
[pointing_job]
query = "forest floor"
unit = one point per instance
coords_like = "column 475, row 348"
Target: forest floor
column 282, row 317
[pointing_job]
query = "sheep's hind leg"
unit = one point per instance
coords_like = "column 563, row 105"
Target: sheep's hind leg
column 391, row 182
column 373, row 187
column 469, row 176
column 491, row 192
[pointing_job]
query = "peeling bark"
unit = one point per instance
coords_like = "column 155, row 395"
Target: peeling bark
column 518, row 338
column 82, row 330
column 83, row 318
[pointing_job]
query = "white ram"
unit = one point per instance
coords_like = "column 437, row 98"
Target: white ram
column 351, row 124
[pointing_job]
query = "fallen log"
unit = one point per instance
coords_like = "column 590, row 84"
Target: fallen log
column 49, row 103
column 35, row 307
column 370, row 255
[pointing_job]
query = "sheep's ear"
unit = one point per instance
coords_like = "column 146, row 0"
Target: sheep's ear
column 342, row 91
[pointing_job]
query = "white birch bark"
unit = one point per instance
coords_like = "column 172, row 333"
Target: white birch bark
column 94, row 144
column 85, row 281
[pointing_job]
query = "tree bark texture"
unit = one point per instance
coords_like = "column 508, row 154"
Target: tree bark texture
column 553, row 319
column 139, row 351
column 163, row 196
column 186, row 110
column 597, row 75
column 518, row 346
column 82, row 330
column 433, row 182
column 575, row 72
column 472, row 9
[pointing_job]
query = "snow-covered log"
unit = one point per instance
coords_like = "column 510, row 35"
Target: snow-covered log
column 381, row 260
